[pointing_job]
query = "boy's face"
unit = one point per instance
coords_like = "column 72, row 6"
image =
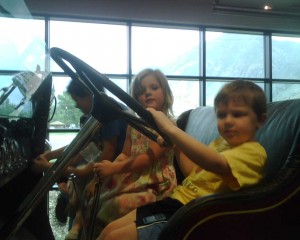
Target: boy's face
column 83, row 103
column 237, row 122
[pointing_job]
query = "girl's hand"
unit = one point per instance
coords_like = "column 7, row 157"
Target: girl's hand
column 104, row 168
column 160, row 141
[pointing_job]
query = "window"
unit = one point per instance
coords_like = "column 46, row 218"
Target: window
column 22, row 44
column 102, row 46
column 196, row 67
column 231, row 55
column 66, row 114
column 285, row 91
column 285, row 67
column 213, row 87
column 173, row 51
column 286, row 57
column 186, row 95
column 234, row 55
column 60, row 139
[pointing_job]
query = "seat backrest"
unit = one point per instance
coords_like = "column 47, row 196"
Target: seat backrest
column 279, row 134
column 202, row 124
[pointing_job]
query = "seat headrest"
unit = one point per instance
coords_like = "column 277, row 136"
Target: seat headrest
column 279, row 133
column 202, row 124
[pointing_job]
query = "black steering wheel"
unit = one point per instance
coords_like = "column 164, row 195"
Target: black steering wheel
column 109, row 108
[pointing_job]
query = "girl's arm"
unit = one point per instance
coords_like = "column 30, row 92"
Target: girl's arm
column 80, row 172
column 199, row 153
column 125, row 163
column 122, row 156
column 109, row 149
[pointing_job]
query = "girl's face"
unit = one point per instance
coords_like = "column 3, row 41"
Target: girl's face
column 152, row 95
column 237, row 122
column 83, row 103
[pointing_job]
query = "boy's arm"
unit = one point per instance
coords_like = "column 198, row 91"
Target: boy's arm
column 52, row 154
column 41, row 162
column 185, row 164
column 200, row 154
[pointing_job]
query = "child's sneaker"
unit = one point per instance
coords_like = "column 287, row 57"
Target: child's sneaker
column 62, row 208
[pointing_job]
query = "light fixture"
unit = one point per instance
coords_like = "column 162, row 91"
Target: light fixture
column 265, row 11
column 267, row 7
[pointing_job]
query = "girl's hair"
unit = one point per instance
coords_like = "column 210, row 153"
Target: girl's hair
column 246, row 91
column 137, row 89
column 78, row 89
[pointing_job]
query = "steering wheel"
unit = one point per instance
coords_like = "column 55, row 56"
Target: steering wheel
column 109, row 109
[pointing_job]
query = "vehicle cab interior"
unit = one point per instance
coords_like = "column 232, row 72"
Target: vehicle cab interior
column 200, row 45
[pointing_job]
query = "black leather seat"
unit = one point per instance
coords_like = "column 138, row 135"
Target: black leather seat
column 269, row 210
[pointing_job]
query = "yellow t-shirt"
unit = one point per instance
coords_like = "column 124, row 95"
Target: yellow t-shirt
column 246, row 162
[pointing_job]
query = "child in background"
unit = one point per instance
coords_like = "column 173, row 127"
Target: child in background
column 144, row 171
column 231, row 162
column 110, row 138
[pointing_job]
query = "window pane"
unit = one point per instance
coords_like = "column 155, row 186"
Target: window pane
column 61, row 139
column 284, row 91
column 286, row 57
column 122, row 83
column 186, row 95
column 174, row 51
column 103, row 46
column 22, row 44
column 5, row 82
column 16, row 93
column 213, row 87
column 66, row 115
column 10, row 98
column 234, row 55
column 60, row 84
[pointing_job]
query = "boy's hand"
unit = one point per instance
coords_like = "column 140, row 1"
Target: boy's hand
column 161, row 120
column 40, row 164
column 164, row 124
